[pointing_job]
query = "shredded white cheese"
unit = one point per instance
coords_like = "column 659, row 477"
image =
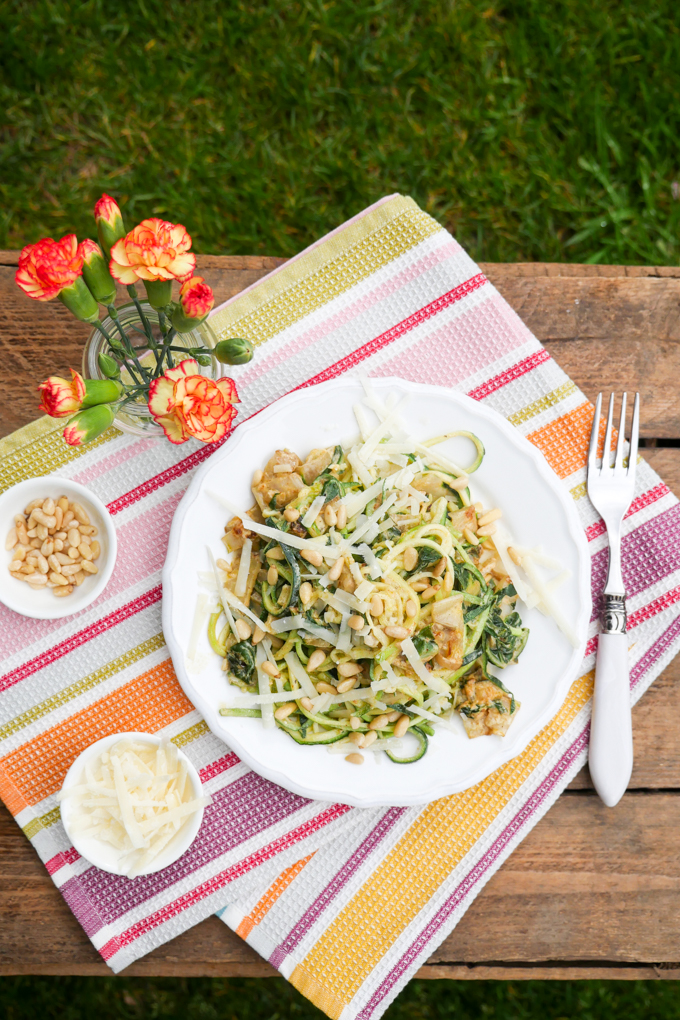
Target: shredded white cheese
column 435, row 683
column 243, row 568
column 298, row 671
column 263, row 680
column 313, row 511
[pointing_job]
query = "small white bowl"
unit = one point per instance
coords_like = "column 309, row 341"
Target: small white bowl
column 105, row 856
column 41, row 604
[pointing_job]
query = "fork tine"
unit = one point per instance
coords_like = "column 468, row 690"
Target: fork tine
column 608, row 436
column 634, row 436
column 620, row 443
column 592, row 449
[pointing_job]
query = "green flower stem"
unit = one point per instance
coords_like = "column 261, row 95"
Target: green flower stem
column 113, row 312
column 132, row 291
column 168, row 337
column 126, row 343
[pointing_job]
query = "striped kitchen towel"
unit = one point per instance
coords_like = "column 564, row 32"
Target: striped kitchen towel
column 347, row 903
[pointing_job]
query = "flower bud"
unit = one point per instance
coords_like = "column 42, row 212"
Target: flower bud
column 196, row 299
column 101, row 391
column 88, row 424
column 234, row 351
column 96, row 272
column 61, row 397
column 108, row 366
column 79, row 301
column 159, row 292
column 109, row 222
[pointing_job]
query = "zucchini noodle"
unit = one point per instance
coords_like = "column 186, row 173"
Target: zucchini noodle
column 377, row 625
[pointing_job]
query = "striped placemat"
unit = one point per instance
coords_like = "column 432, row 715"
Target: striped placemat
column 346, row 903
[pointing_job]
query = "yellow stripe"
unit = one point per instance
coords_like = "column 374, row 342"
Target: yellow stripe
column 87, row 683
column 39, row 448
column 579, row 491
column 193, row 733
column 538, row 406
column 438, row 840
column 324, row 273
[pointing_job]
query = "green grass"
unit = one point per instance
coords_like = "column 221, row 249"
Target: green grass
column 533, row 130
column 273, row 999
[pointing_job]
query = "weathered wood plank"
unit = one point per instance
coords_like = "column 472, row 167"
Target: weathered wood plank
column 590, row 885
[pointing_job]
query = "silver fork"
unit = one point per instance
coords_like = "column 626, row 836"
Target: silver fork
column 611, row 492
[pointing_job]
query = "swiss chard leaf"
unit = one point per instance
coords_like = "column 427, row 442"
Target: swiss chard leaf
column 241, row 659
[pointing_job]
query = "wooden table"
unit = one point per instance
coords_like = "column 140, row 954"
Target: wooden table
column 591, row 892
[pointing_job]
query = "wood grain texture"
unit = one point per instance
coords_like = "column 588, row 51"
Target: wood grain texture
column 591, row 892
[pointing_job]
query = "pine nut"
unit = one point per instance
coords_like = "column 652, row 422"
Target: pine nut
column 73, row 553
column 356, row 622
column 85, row 540
column 89, row 568
column 257, row 477
column 44, row 519
column 448, row 581
column 379, row 723
column 258, row 634
column 47, row 548
column 62, row 503
column 222, row 564
column 96, row 549
column 270, row 669
column 276, row 553
column 291, row 514
column 55, row 563
column 324, row 688
column 63, row 558
column 429, row 592
column 306, row 592
column 272, row 575
column 243, row 630
column 410, row 558
column 355, row 759
column 493, row 515
column 14, row 566
column 74, row 537
column 459, row 483
column 79, row 513
column 19, row 577
column 87, row 529
column 401, row 726
column 11, row 539
column 48, row 507
column 371, row 640
column 30, row 507
column 470, row 536
column 336, row 569
column 285, row 710
column 377, row 607
column 397, row 632
column 411, row 608
column 41, row 532
column 306, row 703
column 79, row 578
column 315, row 660
column 20, row 552
column 313, row 557
column 62, row 535
column 347, row 685
column 514, row 556
column 36, row 543
column 440, row 567
column 370, row 738
column 73, row 569
column 43, row 565
column 37, row 580
column 420, row 585
column 355, row 722
column 487, row 529
column 357, row 738
column 341, row 516
column 349, row 669
column 57, row 578
column 85, row 552
column 393, row 716
column 330, row 516
column 62, row 592
column 68, row 517
column 58, row 516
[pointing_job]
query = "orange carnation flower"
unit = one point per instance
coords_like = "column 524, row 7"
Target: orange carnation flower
column 196, row 298
column 153, row 251
column 61, row 397
column 48, row 266
column 189, row 406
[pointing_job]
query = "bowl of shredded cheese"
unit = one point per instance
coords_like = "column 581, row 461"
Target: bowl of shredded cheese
column 132, row 804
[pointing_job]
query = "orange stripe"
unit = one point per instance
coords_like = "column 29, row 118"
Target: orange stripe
column 270, row 897
column 37, row 769
column 564, row 442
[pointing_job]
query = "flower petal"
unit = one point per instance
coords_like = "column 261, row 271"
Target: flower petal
column 227, row 388
column 172, row 428
column 185, row 368
column 161, row 399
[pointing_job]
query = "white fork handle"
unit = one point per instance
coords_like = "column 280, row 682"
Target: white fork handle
column 610, row 756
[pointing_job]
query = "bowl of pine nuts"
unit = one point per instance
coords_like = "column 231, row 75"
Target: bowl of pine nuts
column 60, row 548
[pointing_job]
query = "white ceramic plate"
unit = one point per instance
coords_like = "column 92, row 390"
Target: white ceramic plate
column 105, row 856
column 42, row 604
column 538, row 511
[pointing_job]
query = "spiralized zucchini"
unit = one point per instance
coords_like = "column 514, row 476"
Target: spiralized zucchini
column 389, row 620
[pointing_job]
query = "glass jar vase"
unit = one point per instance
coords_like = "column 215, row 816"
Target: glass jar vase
column 135, row 416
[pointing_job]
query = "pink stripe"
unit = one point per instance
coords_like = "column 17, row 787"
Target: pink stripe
column 509, row 375
column 169, row 475
column 316, row 333
column 61, row 860
column 403, row 327
column 218, row 882
column 149, row 598
column 219, row 766
column 654, row 608
column 646, row 499
column 443, row 356
column 115, row 460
